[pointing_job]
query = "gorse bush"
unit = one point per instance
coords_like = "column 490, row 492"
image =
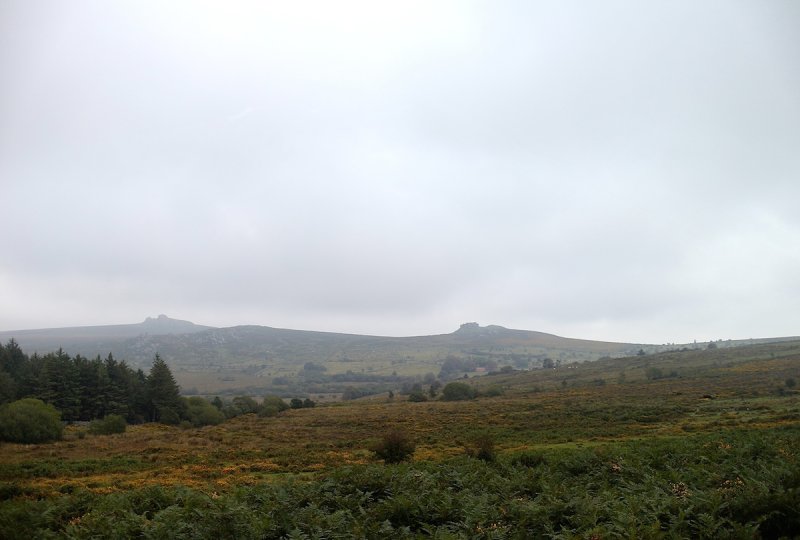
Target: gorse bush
column 30, row 421
column 113, row 423
column 395, row 446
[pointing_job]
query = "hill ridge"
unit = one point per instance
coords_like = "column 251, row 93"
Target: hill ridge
column 264, row 358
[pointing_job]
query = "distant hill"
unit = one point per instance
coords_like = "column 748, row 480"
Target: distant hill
column 262, row 345
column 94, row 340
column 184, row 342
column 261, row 359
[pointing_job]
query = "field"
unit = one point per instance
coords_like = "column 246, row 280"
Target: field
column 695, row 443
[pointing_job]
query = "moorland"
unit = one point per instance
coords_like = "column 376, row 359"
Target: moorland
column 687, row 443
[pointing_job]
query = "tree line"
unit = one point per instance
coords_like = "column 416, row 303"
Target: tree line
column 84, row 389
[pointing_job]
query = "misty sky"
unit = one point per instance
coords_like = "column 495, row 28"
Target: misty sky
column 627, row 171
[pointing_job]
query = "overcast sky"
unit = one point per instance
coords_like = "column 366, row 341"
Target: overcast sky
column 627, row 171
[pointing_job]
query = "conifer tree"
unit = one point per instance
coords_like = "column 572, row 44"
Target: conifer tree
column 12, row 359
column 164, row 394
column 118, row 397
column 138, row 396
column 59, row 385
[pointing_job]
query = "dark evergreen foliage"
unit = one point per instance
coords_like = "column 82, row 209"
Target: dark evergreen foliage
column 82, row 389
column 164, row 394
column 12, row 359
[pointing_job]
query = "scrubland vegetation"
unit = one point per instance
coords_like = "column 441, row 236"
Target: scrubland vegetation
column 707, row 447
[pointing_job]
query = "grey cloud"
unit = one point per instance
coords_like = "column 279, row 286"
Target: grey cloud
column 615, row 171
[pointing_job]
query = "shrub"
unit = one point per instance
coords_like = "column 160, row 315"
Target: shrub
column 112, row 423
column 394, row 447
column 272, row 405
column 493, row 391
column 30, row 421
column 529, row 459
column 653, row 373
column 417, row 396
column 482, row 447
column 168, row 416
column 244, row 405
column 268, row 410
column 203, row 413
column 457, row 391
column 9, row 491
column 352, row 392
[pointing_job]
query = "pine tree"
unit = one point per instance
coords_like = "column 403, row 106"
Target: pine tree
column 8, row 388
column 164, row 394
column 59, row 385
column 91, row 387
column 12, row 359
column 28, row 379
column 118, row 397
column 139, row 408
